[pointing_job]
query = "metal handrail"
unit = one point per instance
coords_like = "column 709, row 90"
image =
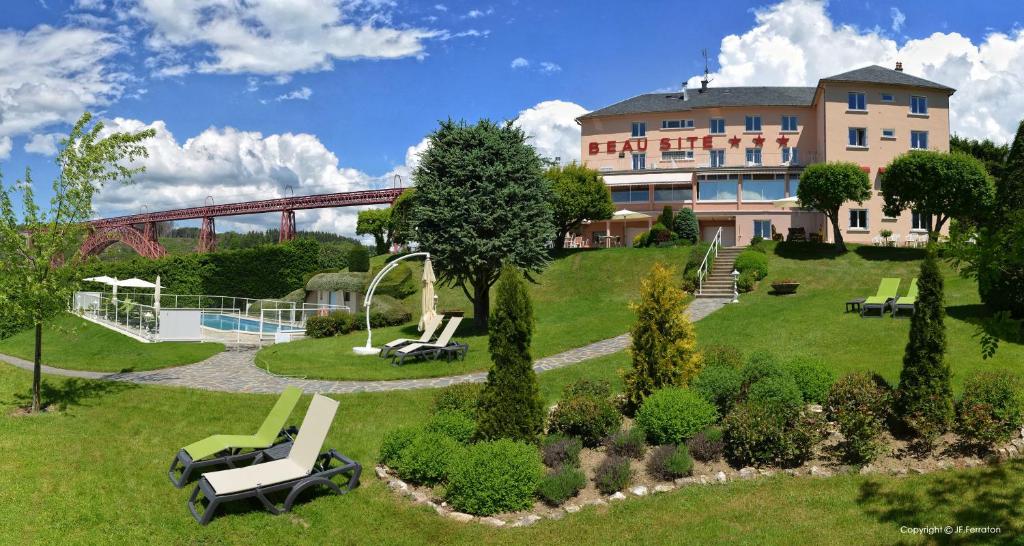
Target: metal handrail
column 702, row 272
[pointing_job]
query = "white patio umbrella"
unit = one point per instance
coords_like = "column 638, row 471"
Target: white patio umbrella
column 156, row 298
column 427, row 302
column 135, row 283
column 787, row 203
column 626, row 214
column 101, row 279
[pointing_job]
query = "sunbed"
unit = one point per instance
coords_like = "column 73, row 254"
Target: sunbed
column 423, row 350
column 883, row 299
column 226, row 449
column 908, row 302
column 428, row 333
column 302, row 468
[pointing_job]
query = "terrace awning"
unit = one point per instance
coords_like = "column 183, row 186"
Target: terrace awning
column 647, row 178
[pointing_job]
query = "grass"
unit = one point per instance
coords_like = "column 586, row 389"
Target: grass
column 72, row 343
column 115, row 442
column 582, row 297
column 813, row 323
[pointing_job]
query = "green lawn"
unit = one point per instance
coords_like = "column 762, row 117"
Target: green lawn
column 812, row 322
column 75, row 344
column 581, row 298
column 96, row 474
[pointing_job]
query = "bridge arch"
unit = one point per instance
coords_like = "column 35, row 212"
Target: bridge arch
column 101, row 238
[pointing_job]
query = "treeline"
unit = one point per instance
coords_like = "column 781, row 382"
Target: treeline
column 232, row 240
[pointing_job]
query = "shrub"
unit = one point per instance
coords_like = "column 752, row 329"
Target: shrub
column 670, row 416
column 427, row 458
column 777, row 394
column 753, row 261
column 859, row 403
column 707, row 445
column 344, row 322
column 627, row 443
column 588, row 387
column 321, row 327
column 394, row 442
column 492, row 477
column 813, row 378
column 658, row 234
column 460, row 397
column 696, row 256
column 755, row 242
column 386, row 311
column 722, row 355
column 642, row 239
column 670, row 462
column 561, row 484
column 557, row 450
column 719, row 385
column 992, row 407
column 754, row 436
column 686, row 226
column 453, row 424
column 585, row 417
column 745, row 282
column 614, row 474
column 760, row 364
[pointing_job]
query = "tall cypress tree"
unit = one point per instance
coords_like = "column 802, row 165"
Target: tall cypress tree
column 510, row 404
column 925, row 396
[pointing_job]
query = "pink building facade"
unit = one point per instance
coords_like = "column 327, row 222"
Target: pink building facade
column 731, row 154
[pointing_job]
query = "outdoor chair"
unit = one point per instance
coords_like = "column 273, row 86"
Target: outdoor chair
column 230, row 450
column 876, row 240
column 908, row 302
column 428, row 333
column 424, row 350
column 883, row 299
column 911, row 239
column 304, row 467
column 922, row 240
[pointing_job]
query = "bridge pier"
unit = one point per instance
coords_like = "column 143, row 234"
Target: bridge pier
column 149, row 232
column 207, row 235
column 287, row 232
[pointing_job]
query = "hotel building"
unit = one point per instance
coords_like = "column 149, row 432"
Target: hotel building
column 731, row 153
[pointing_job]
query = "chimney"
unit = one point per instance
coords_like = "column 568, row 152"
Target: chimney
column 704, row 84
column 899, row 66
column 685, row 96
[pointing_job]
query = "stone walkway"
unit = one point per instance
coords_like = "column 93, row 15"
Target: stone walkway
column 234, row 370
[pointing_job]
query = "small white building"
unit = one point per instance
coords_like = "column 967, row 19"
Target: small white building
column 344, row 288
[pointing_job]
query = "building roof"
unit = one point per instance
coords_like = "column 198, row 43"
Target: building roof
column 887, row 76
column 711, row 98
column 346, row 281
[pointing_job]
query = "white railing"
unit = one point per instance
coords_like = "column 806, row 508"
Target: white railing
column 702, row 273
column 126, row 315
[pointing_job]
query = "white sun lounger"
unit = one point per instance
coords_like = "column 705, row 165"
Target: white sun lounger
column 417, row 350
column 428, row 334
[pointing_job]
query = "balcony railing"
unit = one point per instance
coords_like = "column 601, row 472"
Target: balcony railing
column 704, row 159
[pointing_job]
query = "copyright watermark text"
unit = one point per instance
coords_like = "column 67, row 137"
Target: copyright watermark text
column 950, row 530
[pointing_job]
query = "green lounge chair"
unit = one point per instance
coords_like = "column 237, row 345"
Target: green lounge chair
column 882, row 300
column 226, row 449
column 908, row 302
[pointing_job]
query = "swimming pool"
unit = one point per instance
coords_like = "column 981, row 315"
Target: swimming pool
column 235, row 324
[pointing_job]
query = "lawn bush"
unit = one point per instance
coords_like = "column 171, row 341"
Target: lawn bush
column 627, row 443
column 991, row 409
column 673, row 415
column 753, row 261
column 722, row 355
column 561, row 484
column 760, row 364
column 746, row 281
column 493, row 477
column 755, row 437
column 642, row 239
column 658, row 234
column 777, row 394
column 394, row 442
column 859, row 403
column 670, row 462
column 344, row 322
column 685, row 225
column 453, row 424
column 812, row 376
column 613, row 475
column 557, row 450
column 386, row 311
column 588, row 418
column 460, row 397
column 427, row 458
column 693, row 261
column 321, row 327
column 719, row 385
column 588, row 387
column 707, row 445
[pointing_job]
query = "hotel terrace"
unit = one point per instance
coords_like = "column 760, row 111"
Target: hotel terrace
column 732, row 153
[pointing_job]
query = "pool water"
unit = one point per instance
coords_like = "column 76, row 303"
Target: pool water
column 235, row 324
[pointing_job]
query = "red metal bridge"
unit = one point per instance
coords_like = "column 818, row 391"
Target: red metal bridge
column 126, row 229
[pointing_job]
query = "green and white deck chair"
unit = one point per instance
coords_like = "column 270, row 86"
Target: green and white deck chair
column 227, row 449
column 883, row 299
column 908, row 302
column 428, row 334
column 302, row 468
column 423, row 350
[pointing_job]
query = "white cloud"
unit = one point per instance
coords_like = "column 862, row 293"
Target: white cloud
column 520, row 62
column 898, row 19
column 440, row 7
column 549, row 67
column 795, row 42
column 5, row 147
column 43, row 144
column 471, row 33
column 273, row 36
column 552, row 128
column 476, row 14
column 298, row 94
column 94, row 5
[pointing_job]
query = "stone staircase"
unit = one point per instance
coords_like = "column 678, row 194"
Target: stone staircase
column 719, row 283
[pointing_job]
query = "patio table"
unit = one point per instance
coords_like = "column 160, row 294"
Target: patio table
column 854, row 304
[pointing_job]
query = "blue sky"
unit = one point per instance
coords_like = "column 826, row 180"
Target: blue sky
column 365, row 101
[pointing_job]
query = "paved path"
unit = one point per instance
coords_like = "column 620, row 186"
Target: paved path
column 234, row 370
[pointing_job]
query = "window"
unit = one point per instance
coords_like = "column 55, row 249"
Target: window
column 856, row 101
column 753, row 156
column 764, row 187
column 858, row 137
column 763, row 229
column 717, row 187
column 919, row 105
column 789, row 123
column 639, row 129
column 717, row 126
column 859, row 219
column 717, row 158
column 889, row 134
column 886, row 97
column 919, row 140
column 753, row 124
column 790, row 156
column 794, row 186
column 920, row 221
column 677, row 124
column 630, row 194
column 680, row 155
column 675, row 192
column 639, row 162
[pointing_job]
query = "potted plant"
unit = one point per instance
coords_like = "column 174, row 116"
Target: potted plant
column 785, row 286
column 886, row 235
